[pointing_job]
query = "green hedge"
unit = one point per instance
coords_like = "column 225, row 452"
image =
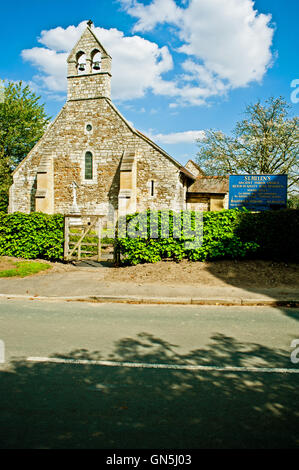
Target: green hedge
column 218, row 238
column 275, row 232
column 226, row 234
column 32, row 236
column 229, row 234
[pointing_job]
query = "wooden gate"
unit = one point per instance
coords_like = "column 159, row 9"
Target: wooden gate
column 82, row 237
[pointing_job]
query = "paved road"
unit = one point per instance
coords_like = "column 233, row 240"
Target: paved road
column 87, row 405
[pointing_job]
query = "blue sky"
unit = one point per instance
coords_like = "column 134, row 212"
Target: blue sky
column 178, row 67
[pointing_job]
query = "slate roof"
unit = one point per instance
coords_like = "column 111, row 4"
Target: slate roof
column 210, row 184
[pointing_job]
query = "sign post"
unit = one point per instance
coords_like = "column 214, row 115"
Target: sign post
column 258, row 192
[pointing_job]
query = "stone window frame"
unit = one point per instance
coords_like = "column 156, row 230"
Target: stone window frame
column 79, row 55
column 86, row 132
column 94, row 167
column 88, row 165
column 152, row 188
column 93, row 53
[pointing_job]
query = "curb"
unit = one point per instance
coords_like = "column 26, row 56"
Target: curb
column 291, row 303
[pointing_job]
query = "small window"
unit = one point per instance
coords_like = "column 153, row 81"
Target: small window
column 88, row 166
column 89, row 127
column 152, row 187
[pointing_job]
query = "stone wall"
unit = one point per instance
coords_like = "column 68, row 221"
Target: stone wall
column 89, row 122
column 200, row 203
column 67, row 141
column 169, row 186
column 89, row 86
column 88, row 44
column 194, row 168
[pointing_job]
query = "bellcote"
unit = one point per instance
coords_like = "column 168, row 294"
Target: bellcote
column 88, row 68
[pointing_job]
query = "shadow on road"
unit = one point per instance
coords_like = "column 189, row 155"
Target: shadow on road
column 47, row 405
column 259, row 281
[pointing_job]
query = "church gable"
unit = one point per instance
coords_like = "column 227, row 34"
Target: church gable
column 88, row 56
column 88, row 68
column 91, row 145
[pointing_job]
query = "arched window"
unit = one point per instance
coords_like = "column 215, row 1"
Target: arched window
column 81, row 63
column 88, row 166
column 96, row 58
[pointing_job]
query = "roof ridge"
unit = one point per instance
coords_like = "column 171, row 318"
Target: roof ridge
column 143, row 136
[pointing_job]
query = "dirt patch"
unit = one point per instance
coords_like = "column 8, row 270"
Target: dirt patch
column 7, row 263
column 252, row 273
column 261, row 274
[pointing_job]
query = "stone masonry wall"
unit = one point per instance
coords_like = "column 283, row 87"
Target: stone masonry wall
column 67, row 141
column 193, row 168
column 89, row 86
column 169, row 190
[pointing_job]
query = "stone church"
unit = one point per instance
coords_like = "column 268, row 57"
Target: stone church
column 91, row 159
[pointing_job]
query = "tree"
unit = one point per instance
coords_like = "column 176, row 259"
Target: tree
column 22, row 123
column 266, row 142
column 293, row 201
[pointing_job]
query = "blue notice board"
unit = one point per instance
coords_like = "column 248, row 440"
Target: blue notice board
column 258, row 192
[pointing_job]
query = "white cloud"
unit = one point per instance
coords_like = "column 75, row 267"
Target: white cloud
column 60, row 39
column 228, row 42
column 51, row 64
column 159, row 11
column 186, row 137
column 224, row 44
column 138, row 64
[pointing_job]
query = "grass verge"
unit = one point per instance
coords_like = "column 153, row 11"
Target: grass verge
column 24, row 268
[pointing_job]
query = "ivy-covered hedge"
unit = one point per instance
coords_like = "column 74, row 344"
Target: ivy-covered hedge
column 230, row 234
column 218, row 238
column 226, row 234
column 32, row 236
column 275, row 232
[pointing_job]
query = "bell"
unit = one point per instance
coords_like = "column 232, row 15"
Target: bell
column 81, row 67
column 96, row 65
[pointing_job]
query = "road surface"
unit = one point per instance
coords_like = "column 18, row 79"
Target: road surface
column 83, row 375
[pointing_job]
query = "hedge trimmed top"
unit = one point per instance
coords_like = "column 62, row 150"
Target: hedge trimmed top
column 225, row 234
